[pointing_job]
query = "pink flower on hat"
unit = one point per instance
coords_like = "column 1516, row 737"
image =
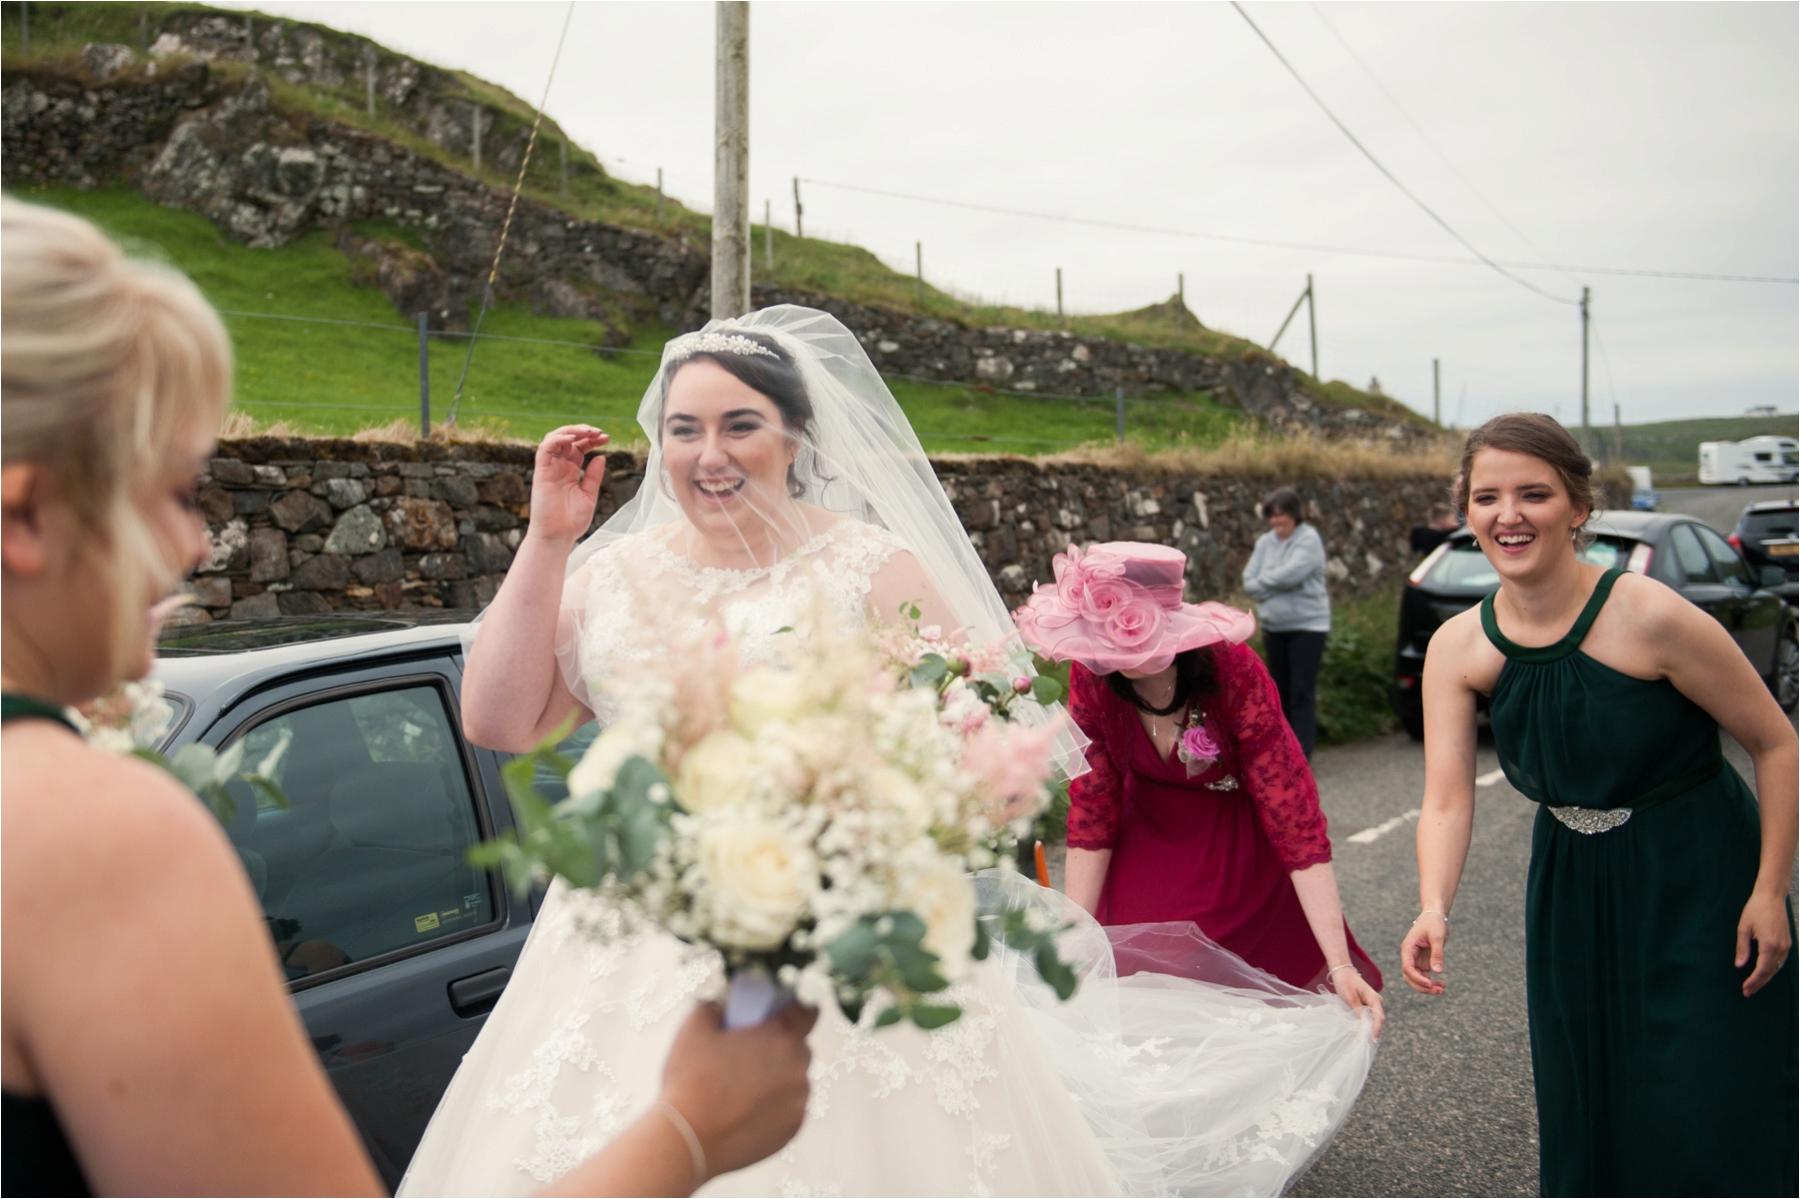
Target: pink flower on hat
column 1104, row 597
column 1135, row 622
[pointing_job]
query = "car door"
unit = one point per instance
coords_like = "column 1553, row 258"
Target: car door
column 395, row 947
column 1698, row 580
column 1756, row 615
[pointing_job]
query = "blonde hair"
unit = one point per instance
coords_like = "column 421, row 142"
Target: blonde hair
column 105, row 363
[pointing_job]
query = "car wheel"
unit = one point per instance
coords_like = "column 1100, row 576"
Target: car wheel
column 1411, row 710
column 1785, row 682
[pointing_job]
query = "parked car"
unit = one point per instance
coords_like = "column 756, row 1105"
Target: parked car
column 395, row 947
column 1766, row 536
column 1679, row 550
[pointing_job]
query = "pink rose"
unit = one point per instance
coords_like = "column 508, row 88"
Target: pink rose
column 1197, row 745
column 1104, row 597
column 1071, row 579
column 1134, row 623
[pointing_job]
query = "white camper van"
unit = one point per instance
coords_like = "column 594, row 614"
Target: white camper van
column 1756, row 460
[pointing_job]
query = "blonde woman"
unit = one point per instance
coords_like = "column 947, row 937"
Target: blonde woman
column 149, row 1046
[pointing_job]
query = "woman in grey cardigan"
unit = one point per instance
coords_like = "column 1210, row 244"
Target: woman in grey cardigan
column 1286, row 578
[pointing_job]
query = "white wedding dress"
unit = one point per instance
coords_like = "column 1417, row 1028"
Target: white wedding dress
column 1205, row 1078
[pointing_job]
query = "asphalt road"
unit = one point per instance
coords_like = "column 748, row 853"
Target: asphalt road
column 1448, row 1108
column 1719, row 506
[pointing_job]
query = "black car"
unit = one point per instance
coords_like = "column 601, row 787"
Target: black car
column 1766, row 536
column 395, row 947
column 1679, row 550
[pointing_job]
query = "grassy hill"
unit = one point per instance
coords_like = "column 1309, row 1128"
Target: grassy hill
column 1671, row 448
column 343, row 377
column 336, row 379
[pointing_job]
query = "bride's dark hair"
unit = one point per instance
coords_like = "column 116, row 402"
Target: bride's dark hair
column 775, row 377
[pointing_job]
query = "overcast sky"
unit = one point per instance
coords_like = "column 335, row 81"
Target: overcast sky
column 1641, row 136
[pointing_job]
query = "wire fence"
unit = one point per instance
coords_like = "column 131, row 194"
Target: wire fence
column 340, row 375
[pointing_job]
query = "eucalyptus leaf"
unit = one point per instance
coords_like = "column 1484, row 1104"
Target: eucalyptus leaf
column 931, row 670
column 929, row 1016
column 1046, row 690
column 889, row 1016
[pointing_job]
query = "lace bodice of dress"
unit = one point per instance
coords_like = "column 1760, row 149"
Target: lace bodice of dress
column 639, row 594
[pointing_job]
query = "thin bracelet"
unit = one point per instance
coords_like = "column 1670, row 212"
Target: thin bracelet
column 1335, row 969
column 695, row 1153
column 1433, row 912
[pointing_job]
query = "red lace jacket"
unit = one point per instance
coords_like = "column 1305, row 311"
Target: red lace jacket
column 1259, row 749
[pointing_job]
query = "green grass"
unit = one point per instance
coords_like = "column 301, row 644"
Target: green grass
column 1671, row 449
column 338, row 379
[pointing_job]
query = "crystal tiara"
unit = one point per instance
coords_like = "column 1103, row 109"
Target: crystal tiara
column 714, row 343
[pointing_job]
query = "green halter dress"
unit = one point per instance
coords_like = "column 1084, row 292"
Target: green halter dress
column 1654, row 1075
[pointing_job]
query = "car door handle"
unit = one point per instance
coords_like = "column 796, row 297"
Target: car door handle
column 478, row 993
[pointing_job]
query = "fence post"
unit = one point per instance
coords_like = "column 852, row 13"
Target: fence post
column 424, row 378
column 1180, row 297
column 1119, row 414
column 919, row 271
column 475, row 134
column 369, row 77
column 799, row 229
column 659, row 194
column 1059, row 308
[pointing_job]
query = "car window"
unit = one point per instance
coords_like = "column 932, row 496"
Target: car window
column 548, row 783
column 370, row 854
column 1776, row 522
column 1727, row 564
column 1691, row 556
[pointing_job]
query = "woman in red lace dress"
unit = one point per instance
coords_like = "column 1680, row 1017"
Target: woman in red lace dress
column 1199, row 804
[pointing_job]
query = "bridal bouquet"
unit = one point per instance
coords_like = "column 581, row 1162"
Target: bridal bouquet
column 814, row 818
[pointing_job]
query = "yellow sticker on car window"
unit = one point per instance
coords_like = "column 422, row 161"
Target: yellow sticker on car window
column 425, row 923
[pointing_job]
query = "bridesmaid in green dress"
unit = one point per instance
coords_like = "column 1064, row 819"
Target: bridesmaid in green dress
column 1662, row 1003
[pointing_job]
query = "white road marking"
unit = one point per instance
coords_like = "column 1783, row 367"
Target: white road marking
column 1370, row 835
column 1490, row 778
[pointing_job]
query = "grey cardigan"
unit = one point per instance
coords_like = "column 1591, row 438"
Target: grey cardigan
column 1287, row 581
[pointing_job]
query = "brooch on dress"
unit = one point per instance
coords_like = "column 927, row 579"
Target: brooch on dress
column 1200, row 753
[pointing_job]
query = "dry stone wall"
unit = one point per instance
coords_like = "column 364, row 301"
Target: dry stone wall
column 304, row 527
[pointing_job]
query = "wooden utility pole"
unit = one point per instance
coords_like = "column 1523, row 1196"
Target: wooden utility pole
column 731, row 161
column 1312, row 323
column 1180, row 297
column 475, row 135
column 369, row 77
column 769, row 236
column 1618, row 437
column 562, row 167
column 659, row 193
column 1059, row 307
column 799, row 229
column 1587, row 434
column 919, row 271
column 25, row 27
column 1437, row 403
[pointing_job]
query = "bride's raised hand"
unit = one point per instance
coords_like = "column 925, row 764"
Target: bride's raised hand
column 564, row 491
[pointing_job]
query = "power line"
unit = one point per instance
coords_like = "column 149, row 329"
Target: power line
column 1428, row 139
column 1387, row 174
column 1280, row 244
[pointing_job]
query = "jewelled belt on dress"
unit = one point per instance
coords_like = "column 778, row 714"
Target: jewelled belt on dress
column 1592, row 820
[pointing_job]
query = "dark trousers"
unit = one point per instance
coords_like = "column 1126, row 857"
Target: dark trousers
column 1294, row 661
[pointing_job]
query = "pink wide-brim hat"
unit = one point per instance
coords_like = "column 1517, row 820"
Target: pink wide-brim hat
column 1117, row 606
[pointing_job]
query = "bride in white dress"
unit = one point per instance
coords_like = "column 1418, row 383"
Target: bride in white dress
column 781, row 470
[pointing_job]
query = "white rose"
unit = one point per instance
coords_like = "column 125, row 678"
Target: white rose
column 713, row 772
column 760, row 875
column 889, row 790
column 599, row 766
column 766, row 696
column 944, row 898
